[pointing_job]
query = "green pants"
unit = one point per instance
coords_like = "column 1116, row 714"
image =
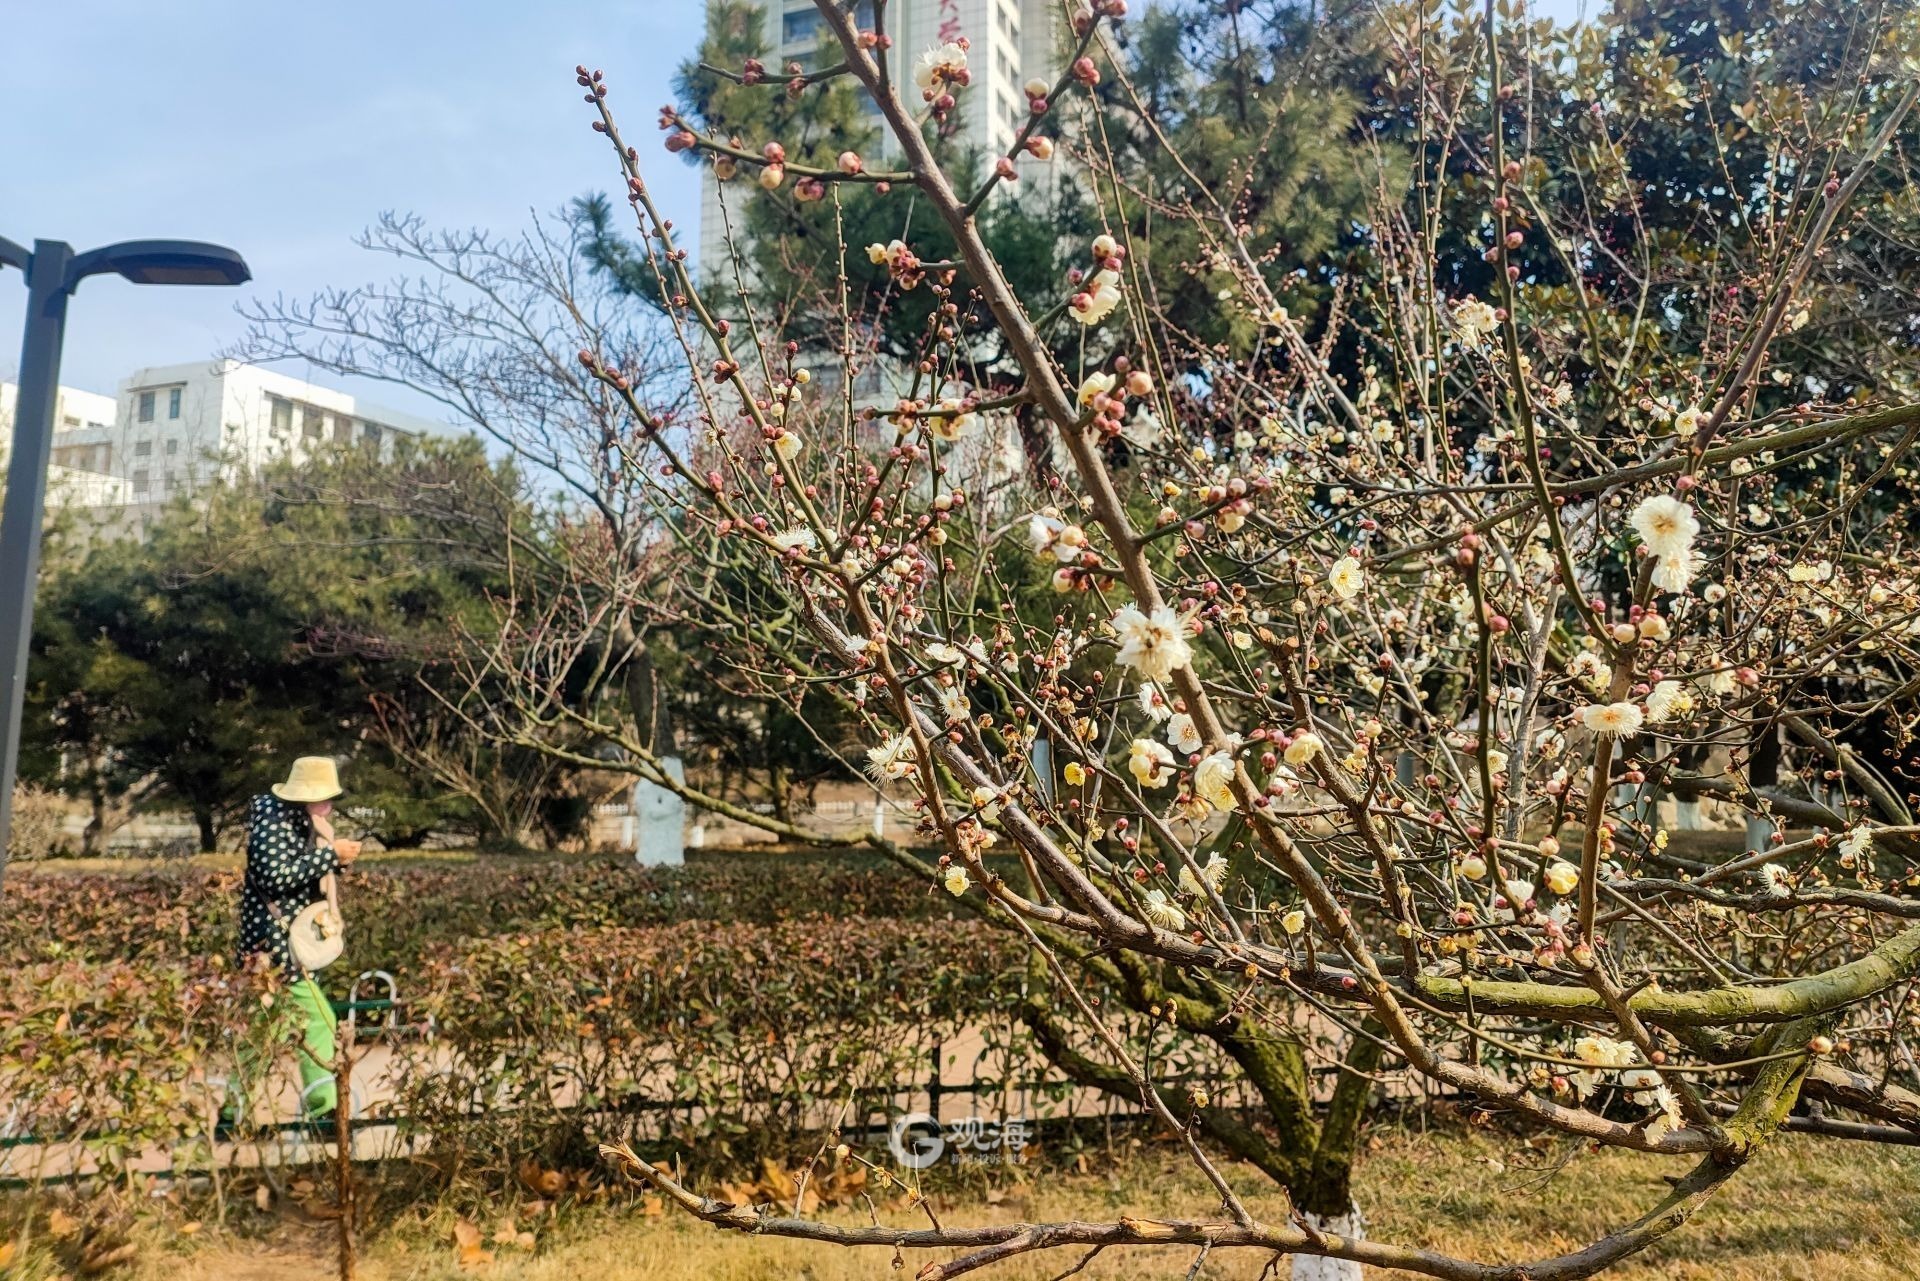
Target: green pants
column 312, row 1017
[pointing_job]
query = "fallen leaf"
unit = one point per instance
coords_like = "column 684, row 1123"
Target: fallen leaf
column 188, row 1229
column 505, row 1233
column 93, row 1263
column 7, row 1251
column 468, row 1251
column 263, row 1198
column 302, row 1187
column 525, row 1241
column 62, row 1225
column 652, row 1207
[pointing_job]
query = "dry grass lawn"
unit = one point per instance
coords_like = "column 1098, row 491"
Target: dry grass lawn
column 1806, row 1210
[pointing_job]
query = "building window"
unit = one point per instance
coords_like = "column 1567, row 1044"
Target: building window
column 173, row 447
column 342, row 429
column 173, row 483
column 142, row 482
column 802, row 24
column 143, row 449
column 146, row 407
column 312, row 421
column 173, row 403
column 280, row 414
column 69, row 421
column 370, row 433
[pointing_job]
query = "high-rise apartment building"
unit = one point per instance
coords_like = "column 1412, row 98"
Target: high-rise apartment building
column 1009, row 43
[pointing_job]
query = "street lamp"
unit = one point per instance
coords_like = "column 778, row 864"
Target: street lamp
column 53, row 272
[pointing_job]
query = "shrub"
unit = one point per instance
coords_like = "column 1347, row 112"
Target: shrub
column 39, row 822
column 759, row 1036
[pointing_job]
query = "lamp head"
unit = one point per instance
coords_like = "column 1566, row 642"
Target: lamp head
column 166, row 262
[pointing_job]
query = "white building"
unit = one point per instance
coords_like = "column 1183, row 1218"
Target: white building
column 175, row 428
column 73, row 479
column 73, row 410
column 179, row 427
column 1010, row 42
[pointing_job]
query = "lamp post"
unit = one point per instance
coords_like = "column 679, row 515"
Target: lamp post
column 53, row 272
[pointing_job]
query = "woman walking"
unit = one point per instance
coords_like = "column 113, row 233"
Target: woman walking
column 291, row 851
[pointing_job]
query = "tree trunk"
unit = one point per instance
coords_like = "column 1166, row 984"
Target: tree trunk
column 94, row 835
column 203, row 819
column 1327, row 1195
column 781, row 789
column 1313, row 1267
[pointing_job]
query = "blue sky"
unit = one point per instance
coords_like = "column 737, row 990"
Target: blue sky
column 283, row 128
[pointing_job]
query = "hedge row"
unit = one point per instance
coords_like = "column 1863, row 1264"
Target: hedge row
column 543, row 1042
column 399, row 912
column 759, row 1035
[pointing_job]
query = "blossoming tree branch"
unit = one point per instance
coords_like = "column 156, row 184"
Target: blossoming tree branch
column 1344, row 690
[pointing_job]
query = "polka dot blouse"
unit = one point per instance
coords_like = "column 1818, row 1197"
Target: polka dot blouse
column 284, row 866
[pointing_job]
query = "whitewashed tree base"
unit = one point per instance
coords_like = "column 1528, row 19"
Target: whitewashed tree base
column 1311, row 1267
column 660, row 818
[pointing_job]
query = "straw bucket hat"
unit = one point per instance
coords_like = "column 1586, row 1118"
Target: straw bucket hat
column 312, row 778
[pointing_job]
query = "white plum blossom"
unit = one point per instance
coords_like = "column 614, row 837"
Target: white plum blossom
column 787, row 445
column 1562, row 877
column 1604, row 1052
column 1673, row 573
column 1154, row 703
column 1473, row 320
column 1103, row 295
column 1667, row 700
column 1150, row 763
column 1588, row 668
column 1213, row 876
column 1183, row 734
column 1213, row 780
column 893, row 759
column 940, row 67
column 1773, row 878
column 799, row 536
column 1666, row 525
column 1346, row 578
column 956, row 880
column 1155, row 644
column 1305, row 746
column 1856, row 842
column 1163, row 911
column 1721, row 681
column 1042, row 530
column 954, row 705
column 1817, row 572
column 1612, row 720
column 1294, row 921
column 954, row 422
column 1095, row 384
